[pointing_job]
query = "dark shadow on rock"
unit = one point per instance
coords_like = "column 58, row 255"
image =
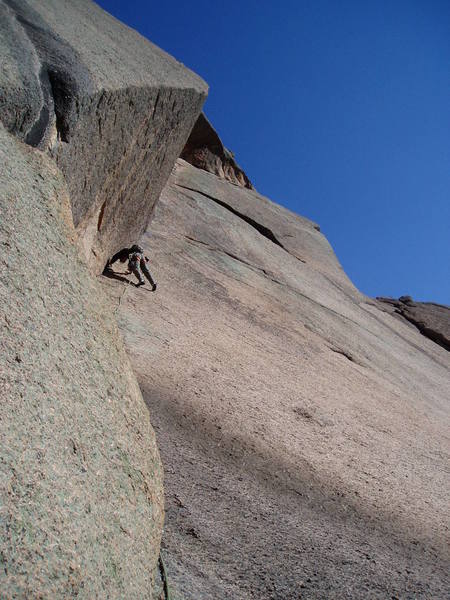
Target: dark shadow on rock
column 244, row 488
column 119, row 276
column 204, row 150
column 431, row 319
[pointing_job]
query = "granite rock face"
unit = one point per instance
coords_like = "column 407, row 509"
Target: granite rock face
column 80, row 477
column 431, row 319
column 98, row 116
column 302, row 427
column 111, row 108
column 204, row 150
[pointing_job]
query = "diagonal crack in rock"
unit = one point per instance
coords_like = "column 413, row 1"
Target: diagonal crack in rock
column 262, row 229
column 235, row 257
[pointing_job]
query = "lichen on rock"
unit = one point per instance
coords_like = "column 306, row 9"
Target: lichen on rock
column 80, row 477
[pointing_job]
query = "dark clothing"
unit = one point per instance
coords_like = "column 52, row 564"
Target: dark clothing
column 148, row 275
column 122, row 255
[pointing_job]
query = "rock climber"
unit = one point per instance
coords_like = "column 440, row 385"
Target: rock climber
column 137, row 263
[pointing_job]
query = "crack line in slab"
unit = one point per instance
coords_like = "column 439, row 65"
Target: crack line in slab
column 268, row 275
column 346, row 354
column 285, row 284
column 234, row 257
column 281, row 283
column 262, row 229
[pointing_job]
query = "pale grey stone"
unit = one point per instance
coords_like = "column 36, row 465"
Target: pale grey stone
column 303, row 429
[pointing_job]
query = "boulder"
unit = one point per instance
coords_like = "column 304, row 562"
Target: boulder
column 80, row 477
column 303, row 428
column 112, row 109
column 204, row 149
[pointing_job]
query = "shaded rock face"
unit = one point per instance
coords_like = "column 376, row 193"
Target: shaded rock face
column 111, row 108
column 80, row 476
column 302, row 427
column 204, row 150
column 432, row 320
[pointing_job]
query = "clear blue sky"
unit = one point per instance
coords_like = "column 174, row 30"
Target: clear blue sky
column 337, row 109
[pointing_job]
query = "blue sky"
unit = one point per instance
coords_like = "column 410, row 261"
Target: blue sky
column 337, row 109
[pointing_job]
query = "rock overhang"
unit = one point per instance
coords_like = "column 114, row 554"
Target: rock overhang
column 112, row 109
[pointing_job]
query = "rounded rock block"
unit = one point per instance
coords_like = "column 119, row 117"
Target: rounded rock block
column 80, row 479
